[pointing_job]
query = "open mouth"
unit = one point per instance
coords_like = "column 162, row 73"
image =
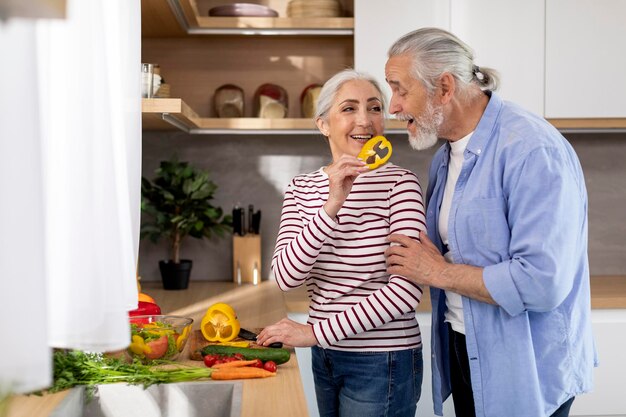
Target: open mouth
column 409, row 119
column 362, row 138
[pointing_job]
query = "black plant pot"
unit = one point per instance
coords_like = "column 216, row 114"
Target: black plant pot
column 175, row 276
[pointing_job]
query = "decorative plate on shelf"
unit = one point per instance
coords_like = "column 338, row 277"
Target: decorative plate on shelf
column 243, row 9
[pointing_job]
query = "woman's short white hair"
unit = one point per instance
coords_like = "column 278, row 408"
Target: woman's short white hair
column 331, row 87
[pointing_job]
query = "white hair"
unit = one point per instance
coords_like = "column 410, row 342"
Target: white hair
column 435, row 51
column 332, row 86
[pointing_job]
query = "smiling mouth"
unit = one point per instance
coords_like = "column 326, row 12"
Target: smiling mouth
column 361, row 138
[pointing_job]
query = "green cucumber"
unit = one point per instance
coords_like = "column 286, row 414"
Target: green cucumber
column 264, row 354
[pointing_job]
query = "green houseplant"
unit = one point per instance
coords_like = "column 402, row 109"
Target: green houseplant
column 177, row 203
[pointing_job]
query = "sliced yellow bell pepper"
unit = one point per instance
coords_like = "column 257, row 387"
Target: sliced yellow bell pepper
column 138, row 346
column 376, row 152
column 220, row 323
column 181, row 339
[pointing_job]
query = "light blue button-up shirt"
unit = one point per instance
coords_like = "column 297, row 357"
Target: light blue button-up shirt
column 519, row 210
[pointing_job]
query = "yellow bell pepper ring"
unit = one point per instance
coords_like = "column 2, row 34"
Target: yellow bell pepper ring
column 220, row 323
column 376, row 152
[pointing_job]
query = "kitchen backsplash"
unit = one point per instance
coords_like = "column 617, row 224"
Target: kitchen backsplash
column 256, row 169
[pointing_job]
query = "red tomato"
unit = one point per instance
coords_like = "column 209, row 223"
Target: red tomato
column 209, row 360
column 238, row 356
column 270, row 366
column 257, row 364
column 218, row 361
column 158, row 348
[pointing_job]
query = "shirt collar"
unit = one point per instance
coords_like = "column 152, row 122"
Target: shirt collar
column 486, row 125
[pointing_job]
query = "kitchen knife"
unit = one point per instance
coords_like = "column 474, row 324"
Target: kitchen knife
column 237, row 225
column 248, row 335
column 256, row 222
column 250, row 216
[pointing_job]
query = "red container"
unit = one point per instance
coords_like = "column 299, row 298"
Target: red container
column 145, row 309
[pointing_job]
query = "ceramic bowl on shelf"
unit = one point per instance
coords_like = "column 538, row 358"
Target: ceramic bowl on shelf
column 158, row 337
column 242, row 9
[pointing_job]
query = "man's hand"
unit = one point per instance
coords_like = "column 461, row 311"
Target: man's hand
column 422, row 263
column 288, row 332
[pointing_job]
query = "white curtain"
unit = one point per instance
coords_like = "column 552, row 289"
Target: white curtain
column 70, row 169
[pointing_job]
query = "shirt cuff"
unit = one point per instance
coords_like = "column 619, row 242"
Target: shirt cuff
column 329, row 221
column 499, row 283
column 318, row 331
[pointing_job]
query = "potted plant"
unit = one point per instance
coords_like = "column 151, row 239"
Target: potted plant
column 177, row 203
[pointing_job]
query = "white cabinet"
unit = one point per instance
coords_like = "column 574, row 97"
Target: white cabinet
column 509, row 37
column 505, row 35
column 563, row 59
column 607, row 397
column 585, row 58
column 378, row 24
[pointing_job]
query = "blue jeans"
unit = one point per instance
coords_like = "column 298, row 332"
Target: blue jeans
column 367, row 384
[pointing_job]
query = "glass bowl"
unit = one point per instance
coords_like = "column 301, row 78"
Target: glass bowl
column 158, row 337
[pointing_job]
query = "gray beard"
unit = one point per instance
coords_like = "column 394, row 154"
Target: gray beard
column 427, row 128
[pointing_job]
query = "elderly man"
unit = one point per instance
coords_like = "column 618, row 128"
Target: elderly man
column 507, row 208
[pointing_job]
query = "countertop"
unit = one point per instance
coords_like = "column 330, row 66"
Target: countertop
column 258, row 306
column 607, row 291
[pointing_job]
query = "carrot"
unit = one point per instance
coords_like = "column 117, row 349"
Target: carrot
column 240, row 373
column 234, row 364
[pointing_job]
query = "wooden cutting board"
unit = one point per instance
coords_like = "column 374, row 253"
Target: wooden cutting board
column 197, row 342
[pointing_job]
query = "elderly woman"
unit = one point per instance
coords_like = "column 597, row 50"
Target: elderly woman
column 366, row 343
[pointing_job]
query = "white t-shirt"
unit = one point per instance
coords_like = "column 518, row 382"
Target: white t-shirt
column 454, row 302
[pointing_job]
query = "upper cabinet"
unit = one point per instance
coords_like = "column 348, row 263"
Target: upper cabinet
column 509, row 37
column 377, row 25
column 550, row 54
column 585, row 58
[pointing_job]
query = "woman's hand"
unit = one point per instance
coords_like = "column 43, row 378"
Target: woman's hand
column 341, row 176
column 288, row 332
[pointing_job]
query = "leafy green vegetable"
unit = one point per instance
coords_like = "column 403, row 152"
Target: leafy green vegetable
column 72, row 368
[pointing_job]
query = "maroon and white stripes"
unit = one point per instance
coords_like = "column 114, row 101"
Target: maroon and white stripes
column 354, row 303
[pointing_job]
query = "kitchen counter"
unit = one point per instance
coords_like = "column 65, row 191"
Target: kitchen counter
column 256, row 306
column 261, row 305
column 607, row 291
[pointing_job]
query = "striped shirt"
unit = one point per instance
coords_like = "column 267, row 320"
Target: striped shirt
column 355, row 305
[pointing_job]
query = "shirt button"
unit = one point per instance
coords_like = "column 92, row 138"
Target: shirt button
column 478, row 151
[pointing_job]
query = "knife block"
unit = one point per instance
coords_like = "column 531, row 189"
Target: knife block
column 247, row 259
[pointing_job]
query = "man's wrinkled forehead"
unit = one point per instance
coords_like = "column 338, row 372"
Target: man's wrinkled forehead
column 396, row 70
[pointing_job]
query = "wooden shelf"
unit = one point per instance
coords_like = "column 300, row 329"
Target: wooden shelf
column 337, row 26
column 174, row 114
column 582, row 125
column 171, row 18
column 157, row 111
